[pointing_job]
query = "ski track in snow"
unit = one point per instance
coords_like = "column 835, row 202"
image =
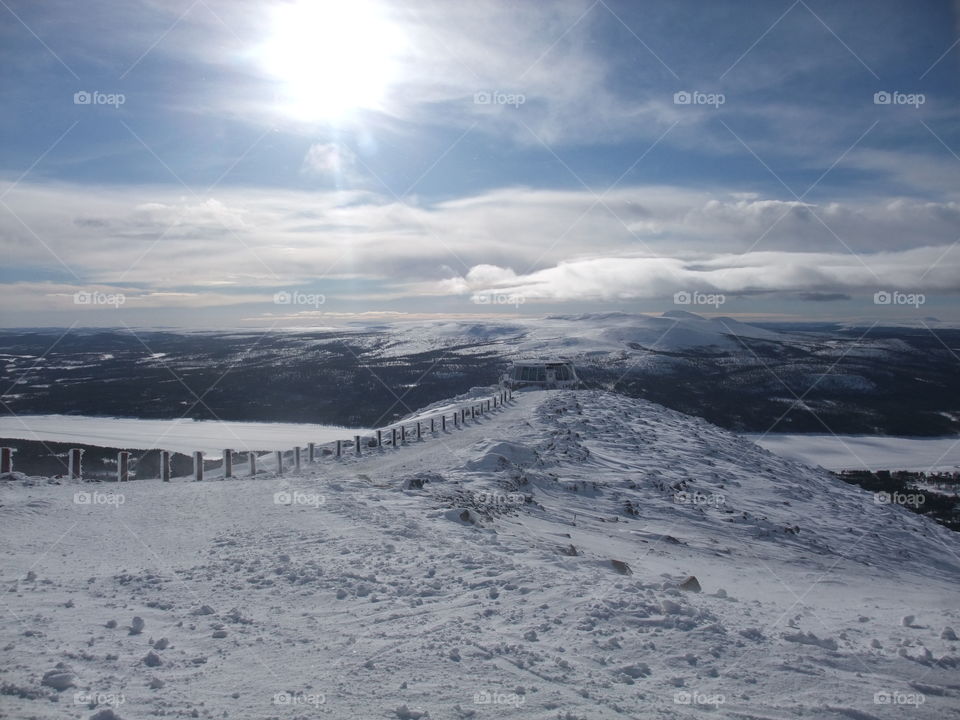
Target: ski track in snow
column 408, row 583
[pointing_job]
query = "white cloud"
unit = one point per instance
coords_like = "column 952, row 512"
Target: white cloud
column 332, row 160
column 629, row 278
column 642, row 242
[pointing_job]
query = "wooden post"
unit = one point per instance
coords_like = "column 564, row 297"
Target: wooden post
column 296, row 458
column 279, row 454
column 419, row 434
column 227, row 463
column 165, row 465
column 488, row 404
column 393, row 437
column 198, row 466
column 379, row 438
column 123, row 466
column 432, row 426
column 75, row 464
column 403, row 434
column 473, row 412
column 338, row 448
column 356, row 444
column 252, row 457
column 443, row 423
column 6, row 460
column 311, row 452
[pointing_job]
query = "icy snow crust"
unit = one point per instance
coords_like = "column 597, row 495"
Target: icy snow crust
column 531, row 565
column 181, row 435
column 858, row 452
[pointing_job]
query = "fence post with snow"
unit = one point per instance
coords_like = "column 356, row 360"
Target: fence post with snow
column 6, row 460
column 459, row 415
column 75, row 463
column 123, row 466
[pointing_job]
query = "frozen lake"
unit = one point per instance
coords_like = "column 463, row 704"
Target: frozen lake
column 871, row 452
column 181, row 435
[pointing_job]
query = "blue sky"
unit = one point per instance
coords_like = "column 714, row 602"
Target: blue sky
column 491, row 158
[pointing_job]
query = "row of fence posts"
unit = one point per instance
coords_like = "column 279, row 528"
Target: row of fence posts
column 75, row 455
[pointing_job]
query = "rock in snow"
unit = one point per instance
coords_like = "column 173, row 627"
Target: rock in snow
column 151, row 659
column 60, row 678
column 691, row 584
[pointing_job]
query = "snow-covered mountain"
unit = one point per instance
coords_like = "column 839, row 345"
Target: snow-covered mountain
column 572, row 555
column 582, row 335
column 865, row 381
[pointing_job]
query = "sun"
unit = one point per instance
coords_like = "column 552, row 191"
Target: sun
column 332, row 57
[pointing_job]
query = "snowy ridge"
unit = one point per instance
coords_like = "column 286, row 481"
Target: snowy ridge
column 574, row 335
column 535, row 564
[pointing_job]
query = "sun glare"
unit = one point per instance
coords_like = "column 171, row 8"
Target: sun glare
column 332, row 57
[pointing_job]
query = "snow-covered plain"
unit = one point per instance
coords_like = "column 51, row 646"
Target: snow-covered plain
column 534, row 564
column 866, row 452
column 181, row 435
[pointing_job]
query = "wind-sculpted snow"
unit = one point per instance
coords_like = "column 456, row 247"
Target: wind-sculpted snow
column 572, row 555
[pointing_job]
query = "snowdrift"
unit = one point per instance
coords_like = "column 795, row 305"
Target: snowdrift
column 571, row 555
